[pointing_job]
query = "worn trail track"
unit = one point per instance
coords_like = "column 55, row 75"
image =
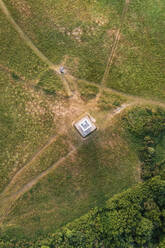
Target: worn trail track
column 114, row 47
column 7, row 200
column 113, row 51
column 30, row 44
column 27, row 165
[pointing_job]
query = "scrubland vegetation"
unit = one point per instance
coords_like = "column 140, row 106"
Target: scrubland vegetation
column 109, row 100
column 134, row 218
column 59, row 190
column 138, row 67
column 25, row 124
column 14, row 52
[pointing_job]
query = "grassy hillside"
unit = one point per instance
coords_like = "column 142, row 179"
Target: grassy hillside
column 25, row 124
column 15, row 55
column 101, row 167
column 49, row 174
column 133, row 218
column 138, row 66
column 78, row 33
column 82, row 39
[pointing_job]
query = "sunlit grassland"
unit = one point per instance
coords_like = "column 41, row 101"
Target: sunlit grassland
column 50, row 84
column 102, row 166
column 86, row 90
column 25, row 125
column 48, row 157
column 138, row 66
column 80, row 33
column 15, row 55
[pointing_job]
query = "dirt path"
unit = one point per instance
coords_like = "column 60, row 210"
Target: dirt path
column 114, row 47
column 30, row 44
column 133, row 98
column 7, row 190
column 8, row 202
column 7, row 199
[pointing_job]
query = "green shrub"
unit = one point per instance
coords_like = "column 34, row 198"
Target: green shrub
column 109, row 100
column 134, row 218
column 130, row 219
column 87, row 91
column 51, row 84
column 146, row 126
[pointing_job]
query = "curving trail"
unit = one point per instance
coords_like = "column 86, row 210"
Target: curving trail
column 133, row 98
column 7, row 198
column 30, row 44
column 8, row 201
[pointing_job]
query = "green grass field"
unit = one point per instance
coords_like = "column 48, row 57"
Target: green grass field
column 81, row 36
column 83, row 42
column 102, row 166
column 36, row 116
column 86, row 90
column 138, row 66
column 15, row 55
column 23, row 128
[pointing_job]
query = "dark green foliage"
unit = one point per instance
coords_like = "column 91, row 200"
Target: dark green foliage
column 132, row 219
column 162, row 243
column 15, row 76
column 147, row 126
